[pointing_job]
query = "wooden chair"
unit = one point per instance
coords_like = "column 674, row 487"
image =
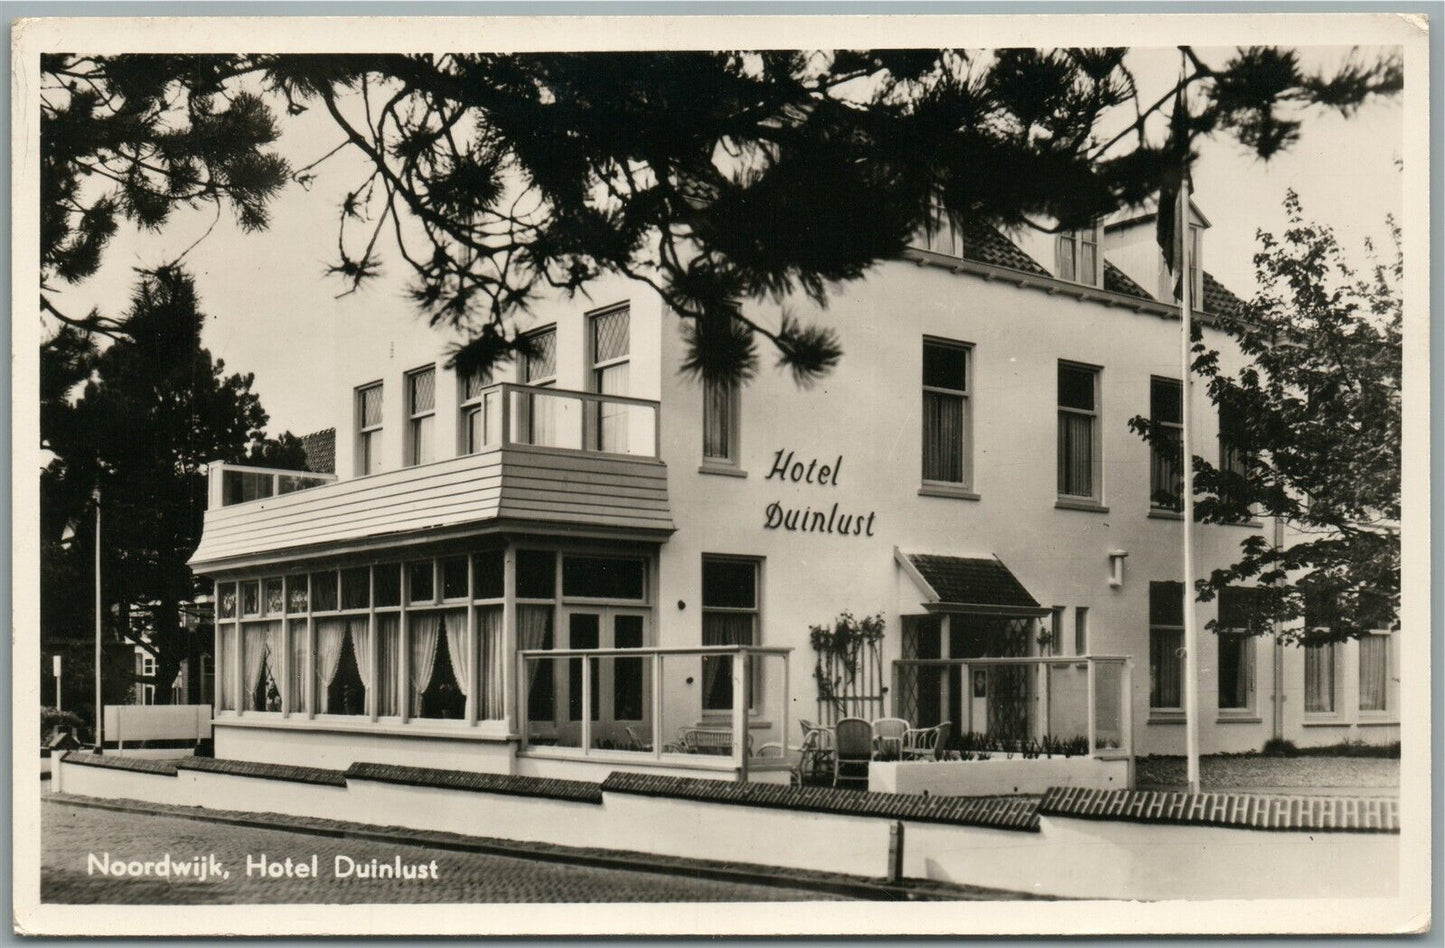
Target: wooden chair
column 852, row 749
column 888, row 734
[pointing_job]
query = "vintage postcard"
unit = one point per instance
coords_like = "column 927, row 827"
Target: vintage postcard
column 631, row 475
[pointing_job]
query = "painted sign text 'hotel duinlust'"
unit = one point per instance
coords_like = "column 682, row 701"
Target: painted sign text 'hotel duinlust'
column 807, row 519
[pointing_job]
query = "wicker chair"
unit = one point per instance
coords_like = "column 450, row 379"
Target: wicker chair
column 852, row 750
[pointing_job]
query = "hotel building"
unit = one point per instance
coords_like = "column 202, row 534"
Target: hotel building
column 590, row 561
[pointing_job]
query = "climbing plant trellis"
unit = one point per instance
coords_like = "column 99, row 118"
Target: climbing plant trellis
column 849, row 667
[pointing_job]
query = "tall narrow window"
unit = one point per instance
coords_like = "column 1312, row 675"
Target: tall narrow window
column 1166, row 641
column 611, row 375
column 368, row 429
column 1078, row 256
column 1166, row 456
column 1321, row 658
column 1374, row 672
column 1081, row 630
column 539, row 368
column 1078, row 431
column 720, row 423
column 1196, row 270
column 1238, row 607
column 946, row 413
column 729, row 617
column 421, row 388
column 1056, row 620
column 1233, row 464
column 481, row 412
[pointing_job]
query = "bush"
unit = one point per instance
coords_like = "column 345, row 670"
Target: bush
column 1353, row 749
column 1279, row 747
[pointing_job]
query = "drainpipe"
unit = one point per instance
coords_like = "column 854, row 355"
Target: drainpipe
column 1278, row 648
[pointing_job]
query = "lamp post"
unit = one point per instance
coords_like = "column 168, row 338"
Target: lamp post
column 55, row 670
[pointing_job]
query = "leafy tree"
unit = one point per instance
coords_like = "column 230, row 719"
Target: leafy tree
column 714, row 177
column 1314, row 422
column 152, row 408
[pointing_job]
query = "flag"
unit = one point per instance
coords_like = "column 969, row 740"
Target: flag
column 1169, row 230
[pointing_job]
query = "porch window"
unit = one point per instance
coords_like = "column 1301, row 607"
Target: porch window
column 368, row 429
column 274, row 597
column 420, row 582
column 323, row 591
column 226, row 599
column 226, row 667
column 1166, row 643
column 491, row 704
column 481, row 412
column 388, row 663
column 946, row 413
column 261, row 665
column 1166, row 464
column 611, row 374
column 386, row 585
column 1374, row 671
column 454, row 577
column 343, row 659
column 440, row 663
column 421, row 416
column 296, row 594
column 1078, row 431
column 251, row 598
column 604, row 577
column 729, row 617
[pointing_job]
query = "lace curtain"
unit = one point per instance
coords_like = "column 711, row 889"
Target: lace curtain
column 388, row 657
column 361, row 646
column 489, row 644
column 330, row 634
column 424, row 628
column 254, row 636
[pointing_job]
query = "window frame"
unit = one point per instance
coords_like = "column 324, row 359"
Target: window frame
column 1069, row 248
column 965, row 396
column 1081, row 630
column 469, row 406
column 417, row 418
column 1096, row 466
column 524, row 366
column 1167, row 712
column 1333, row 650
column 1388, row 699
column 756, row 611
column 1177, row 427
column 368, row 437
column 732, row 398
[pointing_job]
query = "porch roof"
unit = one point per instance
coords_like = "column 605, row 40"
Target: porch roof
column 968, row 584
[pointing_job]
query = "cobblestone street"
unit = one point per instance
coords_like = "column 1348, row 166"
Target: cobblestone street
column 71, row 833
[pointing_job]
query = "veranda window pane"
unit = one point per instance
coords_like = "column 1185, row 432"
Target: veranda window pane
column 419, row 581
column 489, row 574
column 275, row 600
column 323, row 591
column 227, row 606
column 356, row 588
column 536, row 574
column 454, row 577
column 388, row 663
column 251, row 598
column 296, row 593
column 595, row 577
column 387, row 580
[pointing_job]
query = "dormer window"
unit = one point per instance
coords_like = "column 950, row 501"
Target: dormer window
column 1078, row 256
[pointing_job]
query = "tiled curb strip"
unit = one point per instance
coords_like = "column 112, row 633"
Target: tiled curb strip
column 1008, row 813
column 577, row 791
column 837, row 884
column 1233, row 810
column 246, row 768
column 163, row 768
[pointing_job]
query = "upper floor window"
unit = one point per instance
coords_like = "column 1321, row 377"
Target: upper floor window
column 1233, row 464
column 611, row 345
column 720, row 402
column 539, row 362
column 481, row 412
column 421, row 388
column 946, row 416
column 1078, row 253
column 1166, row 474
column 1078, row 431
column 368, row 429
column 730, row 614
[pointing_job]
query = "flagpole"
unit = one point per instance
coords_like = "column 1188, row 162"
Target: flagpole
column 99, row 709
column 1191, row 629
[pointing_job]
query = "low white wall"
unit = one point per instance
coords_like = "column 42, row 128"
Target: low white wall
column 1114, row 859
column 1067, row 857
column 997, row 776
column 337, row 750
column 598, row 770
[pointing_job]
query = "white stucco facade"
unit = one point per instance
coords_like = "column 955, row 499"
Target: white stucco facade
column 864, row 425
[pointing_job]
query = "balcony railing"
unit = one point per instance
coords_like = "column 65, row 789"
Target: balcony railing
column 506, row 414
column 1014, row 701
column 674, row 706
column 230, row 484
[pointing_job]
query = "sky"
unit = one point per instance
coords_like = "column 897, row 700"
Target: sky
column 275, row 313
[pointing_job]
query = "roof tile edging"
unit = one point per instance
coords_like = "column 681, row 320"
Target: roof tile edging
column 986, row 813
column 1246, row 811
column 140, row 765
column 264, row 771
column 516, row 785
